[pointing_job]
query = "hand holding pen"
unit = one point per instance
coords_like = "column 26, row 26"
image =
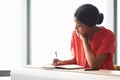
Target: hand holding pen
column 56, row 61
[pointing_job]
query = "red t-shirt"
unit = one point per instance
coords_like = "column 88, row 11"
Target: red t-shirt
column 103, row 42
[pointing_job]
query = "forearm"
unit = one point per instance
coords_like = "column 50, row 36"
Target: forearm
column 90, row 56
column 71, row 61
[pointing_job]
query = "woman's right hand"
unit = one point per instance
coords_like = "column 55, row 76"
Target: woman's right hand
column 56, row 62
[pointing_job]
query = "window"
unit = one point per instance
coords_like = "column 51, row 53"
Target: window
column 12, row 33
column 52, row 23
column 118, row 32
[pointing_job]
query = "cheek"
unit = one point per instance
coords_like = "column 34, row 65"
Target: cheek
column 82, row 30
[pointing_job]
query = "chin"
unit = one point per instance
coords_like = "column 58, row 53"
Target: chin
column 82, row 33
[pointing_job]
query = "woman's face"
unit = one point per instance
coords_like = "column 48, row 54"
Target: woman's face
column 80, row 27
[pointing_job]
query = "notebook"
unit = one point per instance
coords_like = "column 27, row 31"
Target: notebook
column 71, row 66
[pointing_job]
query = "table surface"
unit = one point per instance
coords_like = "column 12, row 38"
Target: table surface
column 101, row 71
column 64, row 74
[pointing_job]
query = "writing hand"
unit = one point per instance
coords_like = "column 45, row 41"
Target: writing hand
column 56, row 62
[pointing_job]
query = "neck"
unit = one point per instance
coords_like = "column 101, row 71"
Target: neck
column 92, row 31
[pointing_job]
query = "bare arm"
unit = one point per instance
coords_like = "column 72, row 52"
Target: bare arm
column 71, row 61
column 93, row 60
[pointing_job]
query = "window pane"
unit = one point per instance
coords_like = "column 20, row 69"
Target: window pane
column 118, row 32
column 52, row 23
column 12, row 33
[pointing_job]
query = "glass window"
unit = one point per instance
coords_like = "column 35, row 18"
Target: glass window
column 52, row 24
column 12, row 33
column 118, row 32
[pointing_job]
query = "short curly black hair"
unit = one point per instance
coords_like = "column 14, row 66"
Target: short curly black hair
column 89, row 15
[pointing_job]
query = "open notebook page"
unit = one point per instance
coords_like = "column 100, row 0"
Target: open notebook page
column 71, row 66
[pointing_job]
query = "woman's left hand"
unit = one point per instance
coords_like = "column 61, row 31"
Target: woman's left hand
column 83, row 37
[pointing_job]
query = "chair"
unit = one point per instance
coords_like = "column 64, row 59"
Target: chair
column 117, row 67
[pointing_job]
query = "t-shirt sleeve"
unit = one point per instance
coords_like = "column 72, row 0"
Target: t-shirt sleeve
column 107, row 45
column 72, row 47
column 72, row 44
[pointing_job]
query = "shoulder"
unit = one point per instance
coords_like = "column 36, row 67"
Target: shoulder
column 107, row 33
column 104, row 35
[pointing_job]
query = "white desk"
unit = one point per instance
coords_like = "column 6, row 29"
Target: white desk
column 58, row 74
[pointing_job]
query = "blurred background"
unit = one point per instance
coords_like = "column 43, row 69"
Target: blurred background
column 31, row 31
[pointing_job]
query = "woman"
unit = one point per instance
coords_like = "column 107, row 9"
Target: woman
column 92, row 46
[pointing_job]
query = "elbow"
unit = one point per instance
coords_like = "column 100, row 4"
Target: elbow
column 93, row 66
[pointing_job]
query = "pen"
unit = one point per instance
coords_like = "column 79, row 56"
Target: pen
column 56, row 54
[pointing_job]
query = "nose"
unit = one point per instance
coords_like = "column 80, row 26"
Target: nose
column 77, row 27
